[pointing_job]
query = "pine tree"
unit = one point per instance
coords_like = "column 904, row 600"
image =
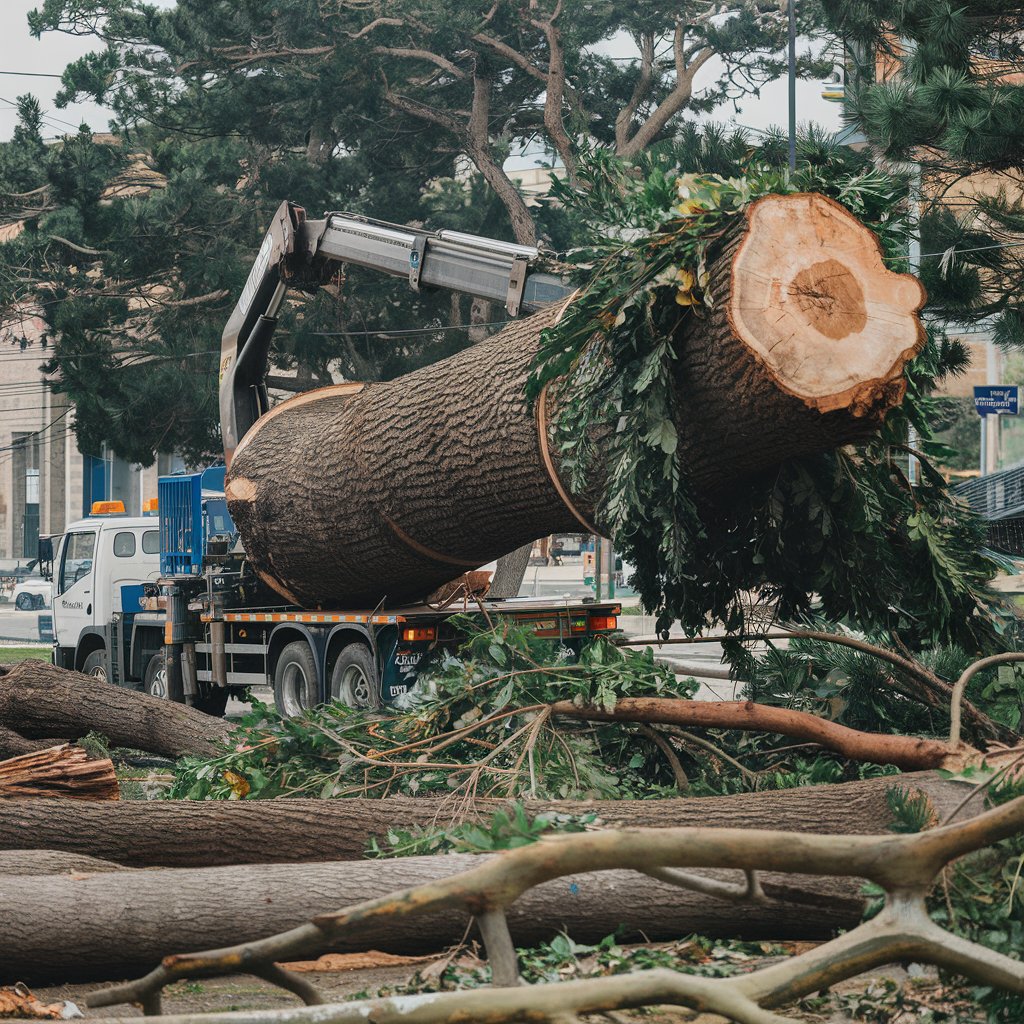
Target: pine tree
column 936, row 84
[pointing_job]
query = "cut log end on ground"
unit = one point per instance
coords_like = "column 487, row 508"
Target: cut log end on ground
column 62, row 771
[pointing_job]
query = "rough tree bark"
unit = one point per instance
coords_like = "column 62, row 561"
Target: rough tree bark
column 124, row 922
column 186, row 834
column 41, row 700
column 350, row 496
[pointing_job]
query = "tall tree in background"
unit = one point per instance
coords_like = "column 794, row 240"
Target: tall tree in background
column 935, row 84
column 363, row 106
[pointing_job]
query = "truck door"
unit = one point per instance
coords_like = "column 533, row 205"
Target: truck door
column 73, row 587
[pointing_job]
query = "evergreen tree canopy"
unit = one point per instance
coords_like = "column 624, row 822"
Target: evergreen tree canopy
column 369, row 107
column 937, row 84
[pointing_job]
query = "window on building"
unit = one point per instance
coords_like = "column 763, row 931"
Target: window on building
column 26, row 492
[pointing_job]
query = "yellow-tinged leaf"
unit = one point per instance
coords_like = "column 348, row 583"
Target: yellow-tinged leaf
column 238, row 783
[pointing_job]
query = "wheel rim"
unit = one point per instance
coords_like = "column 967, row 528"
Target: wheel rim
column 294, row 689
column 158, row 683
column 353, row 688
column 99, row 672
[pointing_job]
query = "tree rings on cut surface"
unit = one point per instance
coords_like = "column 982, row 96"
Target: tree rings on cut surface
column 814, row 302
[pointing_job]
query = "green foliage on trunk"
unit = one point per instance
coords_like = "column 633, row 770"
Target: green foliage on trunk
column 843, row 532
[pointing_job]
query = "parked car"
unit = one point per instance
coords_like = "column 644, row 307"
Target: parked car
column 32, row 593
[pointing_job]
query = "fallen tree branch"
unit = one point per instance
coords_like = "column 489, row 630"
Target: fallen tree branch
column 907, row 752
column 904, row 865
column 935, row 689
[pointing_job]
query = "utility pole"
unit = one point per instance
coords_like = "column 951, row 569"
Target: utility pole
column 914, row 259
column 791, row 4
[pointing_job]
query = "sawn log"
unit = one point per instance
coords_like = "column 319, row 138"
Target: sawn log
column 207, row 833
column 116, row 924
column 354, row 495
column 41, row 700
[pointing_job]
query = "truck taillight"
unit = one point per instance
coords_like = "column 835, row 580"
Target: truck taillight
column 413, row 633
column 603, row 622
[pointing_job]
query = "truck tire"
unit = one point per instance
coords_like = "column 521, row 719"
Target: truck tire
column 154, row 679
column 39, row 602
column 24, row 602
column 156, row 685
column 354, row 679
column 95, row 665
column 296, row 680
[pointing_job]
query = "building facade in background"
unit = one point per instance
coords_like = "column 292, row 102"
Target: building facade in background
column 46, row 481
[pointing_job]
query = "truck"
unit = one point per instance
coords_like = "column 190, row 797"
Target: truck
column 167, row 603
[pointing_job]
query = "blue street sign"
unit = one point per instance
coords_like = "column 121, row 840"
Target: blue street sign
column 997, row 400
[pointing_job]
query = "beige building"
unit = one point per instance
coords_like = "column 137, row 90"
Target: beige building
column 46, row 481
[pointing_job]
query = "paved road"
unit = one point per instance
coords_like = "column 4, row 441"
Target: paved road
column 15, row 625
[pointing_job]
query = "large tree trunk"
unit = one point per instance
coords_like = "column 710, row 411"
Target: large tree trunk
column 41, row 700
column 188, row 834
column 105, row 926
column 349, row 496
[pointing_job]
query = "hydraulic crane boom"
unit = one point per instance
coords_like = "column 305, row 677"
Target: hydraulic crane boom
column 302, row 253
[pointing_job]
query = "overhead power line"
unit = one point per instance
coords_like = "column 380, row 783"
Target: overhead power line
column 31, row 74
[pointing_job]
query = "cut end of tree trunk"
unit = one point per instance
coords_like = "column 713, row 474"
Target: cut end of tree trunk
column 815, row 304
column 63, row 771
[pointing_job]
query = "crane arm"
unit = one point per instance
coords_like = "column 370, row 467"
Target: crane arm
column 303, row 253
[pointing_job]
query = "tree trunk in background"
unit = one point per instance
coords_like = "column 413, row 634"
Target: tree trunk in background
column 510, row 572
column 349, row 496
column 41, row 700
column 124, row 922
column 182, row 833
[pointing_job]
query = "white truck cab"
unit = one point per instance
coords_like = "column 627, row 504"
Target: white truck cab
column 99, row 568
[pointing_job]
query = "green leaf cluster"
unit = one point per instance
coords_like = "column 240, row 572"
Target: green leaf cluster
column 475, row 724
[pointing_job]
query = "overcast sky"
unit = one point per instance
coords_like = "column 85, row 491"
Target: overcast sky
column 19, row 52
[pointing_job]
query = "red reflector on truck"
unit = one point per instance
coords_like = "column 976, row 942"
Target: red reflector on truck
column 601, row 622
column 420, row 633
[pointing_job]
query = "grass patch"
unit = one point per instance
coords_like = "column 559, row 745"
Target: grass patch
column 13, row 655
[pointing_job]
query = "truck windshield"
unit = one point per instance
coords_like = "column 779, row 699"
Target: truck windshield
column 76, row 561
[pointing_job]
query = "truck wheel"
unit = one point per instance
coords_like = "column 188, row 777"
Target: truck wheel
column 354, row 677
column 155, row 679
column 24, row 602
column 96, row 665
column 39, row 602
column 296, row 682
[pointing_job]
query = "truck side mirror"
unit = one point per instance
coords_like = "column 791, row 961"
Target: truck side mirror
column 45, row 563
